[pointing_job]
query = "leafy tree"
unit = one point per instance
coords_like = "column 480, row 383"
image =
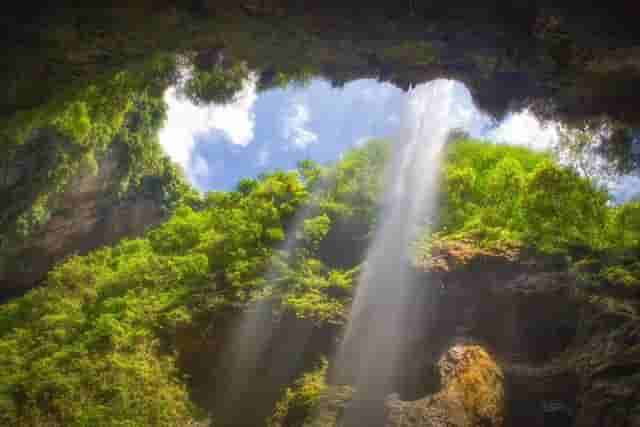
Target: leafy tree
column 301, row 400
column 217, row 85
column 498, row 194
column 96, row 346
column 625, row 225
column 564, row 209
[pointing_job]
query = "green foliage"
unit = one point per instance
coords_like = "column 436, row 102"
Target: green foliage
column 352, row 189
column 90, row 114
column 216, row 85
column 313, row 291
column 348, row 194
column 297, row 77
column 300, row 401
column 81, row 126
column 83, row 351
column 93, row 347
column 498, row 195
column 421, row 52
column 625, row 225
column 315, row 229
column 620, row 276
column 564, row 210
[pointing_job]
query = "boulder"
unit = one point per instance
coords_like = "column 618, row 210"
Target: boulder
column 472, row 394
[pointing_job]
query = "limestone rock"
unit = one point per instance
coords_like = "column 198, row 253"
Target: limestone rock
column 89, row 216
column 472, row 394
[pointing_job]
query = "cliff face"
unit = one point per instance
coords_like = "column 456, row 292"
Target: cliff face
column 569, row 358
column 507, row 340
column 87, row 215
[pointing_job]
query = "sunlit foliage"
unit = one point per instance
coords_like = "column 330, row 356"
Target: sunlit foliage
column 503, row 195
column 301, row 400
column 499, row 192
column 94, row 346
column 84, row 350
column 79, row 127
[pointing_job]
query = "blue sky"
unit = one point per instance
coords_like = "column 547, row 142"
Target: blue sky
column 275, row 129
column 218, row 145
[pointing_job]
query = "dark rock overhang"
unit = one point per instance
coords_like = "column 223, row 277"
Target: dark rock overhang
column 572, row 62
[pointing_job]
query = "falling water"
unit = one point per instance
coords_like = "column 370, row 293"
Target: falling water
column 262, row 353
column 381, row 327
column 259, row 352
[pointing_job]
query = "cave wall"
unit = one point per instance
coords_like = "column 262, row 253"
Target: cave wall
column 570, row 357
column 88, row 214
column 572, row 61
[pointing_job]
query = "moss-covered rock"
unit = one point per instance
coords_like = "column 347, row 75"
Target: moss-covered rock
column 311, row 402
column 569, row 353
column 472, row 394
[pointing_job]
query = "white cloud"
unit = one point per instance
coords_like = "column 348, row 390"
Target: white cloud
column 294, row 128
column 186, row 121
column 237, row 119
column 523, row 128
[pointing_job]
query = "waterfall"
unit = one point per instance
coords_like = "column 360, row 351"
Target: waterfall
column 386, row 313
column 259, row 352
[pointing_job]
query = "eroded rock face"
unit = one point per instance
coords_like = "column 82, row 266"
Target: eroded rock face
column 331, row 407
column 569, row 357
column 510, row 340
column 89, row 216
column 472, row 394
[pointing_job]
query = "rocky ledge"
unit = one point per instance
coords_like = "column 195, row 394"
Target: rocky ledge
column 546, row 352
column 472, row 394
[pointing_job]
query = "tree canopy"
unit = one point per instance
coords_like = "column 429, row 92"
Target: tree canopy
column 97, row 345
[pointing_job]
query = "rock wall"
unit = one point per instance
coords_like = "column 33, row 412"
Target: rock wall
column 569, row 357
column 472, row 394
column 88, row 215
column 577, row 60
column 510, row 340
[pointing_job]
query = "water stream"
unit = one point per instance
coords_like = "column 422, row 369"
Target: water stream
column 389, row 311
column 385, row 312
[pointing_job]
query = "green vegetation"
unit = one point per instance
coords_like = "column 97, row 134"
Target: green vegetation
column 311, row 401
column 64, row 138
column 217, row 84
column 301, row 400
column 497, row 195
column 93, row 347
column 119, row 144
column 97, row 345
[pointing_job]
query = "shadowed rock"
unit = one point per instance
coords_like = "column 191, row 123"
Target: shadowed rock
column 472, row 394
